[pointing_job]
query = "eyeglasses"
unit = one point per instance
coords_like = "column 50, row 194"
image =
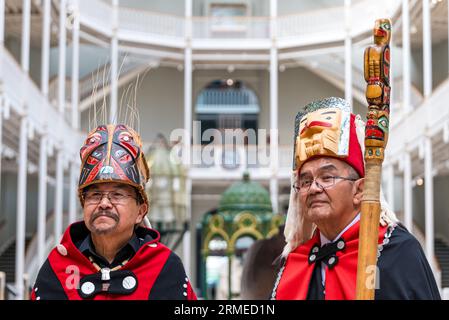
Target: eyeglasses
column 323, row 182
column 115, row 197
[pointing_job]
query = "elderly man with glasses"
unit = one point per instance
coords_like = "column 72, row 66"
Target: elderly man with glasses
column 110, row 254
column 319, row 260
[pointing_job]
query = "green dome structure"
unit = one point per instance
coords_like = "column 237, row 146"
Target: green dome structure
column 246, row 195
column 244, row 213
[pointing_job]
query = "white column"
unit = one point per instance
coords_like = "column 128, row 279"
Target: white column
column 427, row 48
column 42, row 200
column 187, row 251
column 75, row 65
column 2, row 40
column 188, row 82
column 21, row 207
column 2, row 22
column 59, row 189
column 273, row 16
column 408, row 188
column 114, row 63
column 187, row 102
column 73, row 193
column 406, row 53
column 274, row 147
column 274, row 194
column 1, row 139
column 25, row 48
column 188, row 15
column 45, row 58
column 62, row 50
column 390, row 185
column 348, row 53
column 428, row 196
column 186, row 245
column 42, row 180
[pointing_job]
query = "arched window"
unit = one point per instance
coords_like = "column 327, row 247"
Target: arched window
column 227, row 104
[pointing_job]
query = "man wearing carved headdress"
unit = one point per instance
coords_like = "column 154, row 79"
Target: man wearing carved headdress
column 322, row 226
column 110, row 255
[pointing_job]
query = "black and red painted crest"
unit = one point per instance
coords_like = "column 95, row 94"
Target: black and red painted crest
column 113, row 153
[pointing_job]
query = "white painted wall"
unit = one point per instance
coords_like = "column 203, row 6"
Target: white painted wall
column 298, row 87
column 419, row 207
column 8, row 204
column 288, row 7
column 13, row 46
column 439, row 65
column 91, row 58
column 398, row 196
column 441, row 206
column 257, row 7
column 171, row 7
column 159, row 100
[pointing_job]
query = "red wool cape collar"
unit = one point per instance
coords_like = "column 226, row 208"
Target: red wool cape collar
column 340, row 280
column 146, row 264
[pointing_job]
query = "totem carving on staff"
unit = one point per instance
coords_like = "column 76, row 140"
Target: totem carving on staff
column 377, row 76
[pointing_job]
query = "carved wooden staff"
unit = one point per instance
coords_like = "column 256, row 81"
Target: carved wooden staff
column 377, row 76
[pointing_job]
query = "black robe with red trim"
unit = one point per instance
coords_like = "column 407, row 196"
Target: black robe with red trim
column 403, row 270
column 158, row 272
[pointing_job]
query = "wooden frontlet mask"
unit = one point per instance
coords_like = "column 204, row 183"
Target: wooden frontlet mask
column 326, row 128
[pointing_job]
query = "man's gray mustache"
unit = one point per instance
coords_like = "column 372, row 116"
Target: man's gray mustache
column 104, row 214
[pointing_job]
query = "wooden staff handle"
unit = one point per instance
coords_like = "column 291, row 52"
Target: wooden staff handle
column 377, row 76
column 369, row 231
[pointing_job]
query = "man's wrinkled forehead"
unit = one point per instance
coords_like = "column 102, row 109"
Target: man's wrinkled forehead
column 109, row 186
column 323, row 164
